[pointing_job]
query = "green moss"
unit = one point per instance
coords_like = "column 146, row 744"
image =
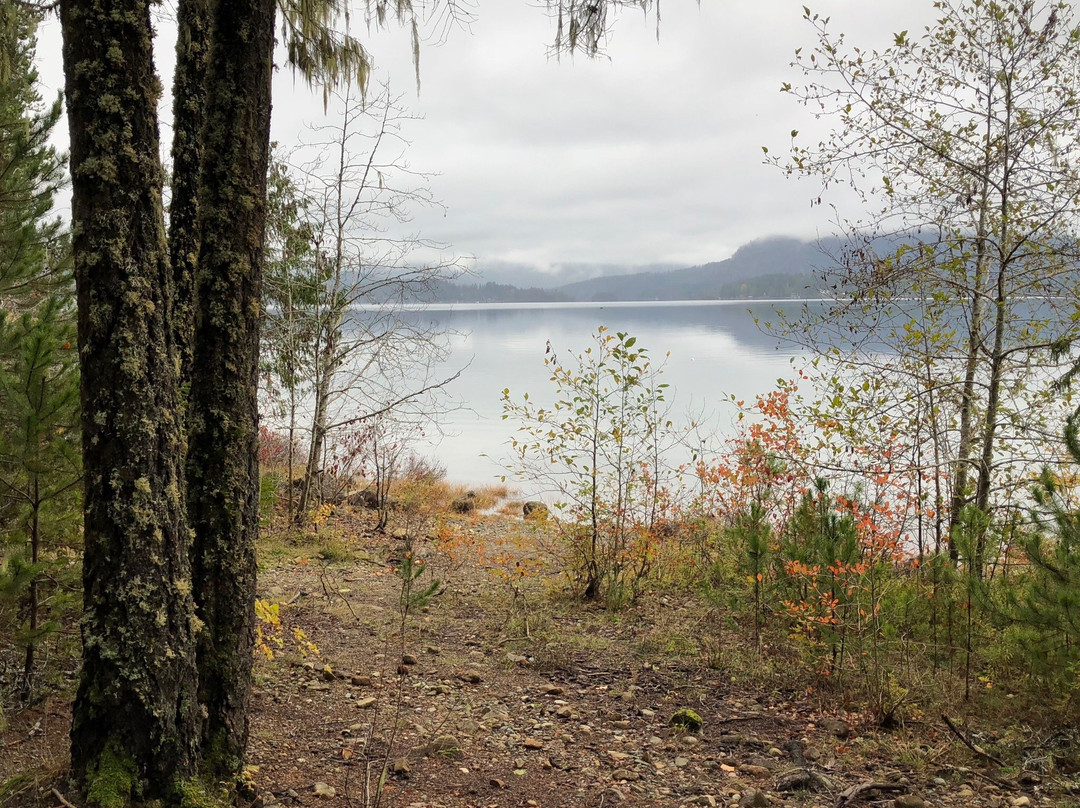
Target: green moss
column 195, row 793
column 111, row 782
column 687, row 719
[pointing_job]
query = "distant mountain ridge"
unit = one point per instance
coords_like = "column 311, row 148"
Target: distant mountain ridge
column 775, row 267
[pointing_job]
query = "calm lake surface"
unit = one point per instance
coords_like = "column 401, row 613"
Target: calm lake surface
column 716, row 350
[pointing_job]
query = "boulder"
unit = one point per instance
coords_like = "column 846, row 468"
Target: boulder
column 534, row 509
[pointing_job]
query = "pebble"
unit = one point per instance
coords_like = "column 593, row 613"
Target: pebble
column 909, row 801
column 323, row 790
column 753, row 798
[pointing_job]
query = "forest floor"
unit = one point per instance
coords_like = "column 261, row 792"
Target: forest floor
column 504, row 691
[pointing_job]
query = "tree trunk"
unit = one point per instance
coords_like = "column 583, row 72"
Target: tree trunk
column 134, row 726
column 189, row 105
column 223, row 473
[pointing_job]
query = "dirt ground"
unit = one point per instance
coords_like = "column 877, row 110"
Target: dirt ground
column 503, row 691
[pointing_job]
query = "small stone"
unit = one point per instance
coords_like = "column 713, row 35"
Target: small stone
column 753, row 798
column 433, row 650
column 751, row 770
column 837, row 727
column 909, row 801
column 360, row 681
column 533, row 743
column 553, row 690
column 938, row 781
column 323, row 790
column 965, row 793
column 408, row 659
column 644, row 712
column 472, row 677
column 681, row 762
column 564, row 712
column 614, row 794
column 625, row 774
column 689, row 740
column 1020, row 802
column 366, row 703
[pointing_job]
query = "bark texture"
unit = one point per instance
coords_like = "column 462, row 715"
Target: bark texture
column 189, row 101
column 134, row 728
column 222, row 468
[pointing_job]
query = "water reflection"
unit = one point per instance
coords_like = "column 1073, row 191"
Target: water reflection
column 715, row 349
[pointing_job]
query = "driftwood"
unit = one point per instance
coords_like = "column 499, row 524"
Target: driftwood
column 978, row 750
column 857, row 792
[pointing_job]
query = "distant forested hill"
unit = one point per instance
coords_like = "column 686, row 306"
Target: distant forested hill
column 777, row 267
column 457, row 292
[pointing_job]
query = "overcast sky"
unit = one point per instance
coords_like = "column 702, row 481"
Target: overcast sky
column 651, row 154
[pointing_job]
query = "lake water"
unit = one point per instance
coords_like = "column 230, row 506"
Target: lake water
column 716, row 350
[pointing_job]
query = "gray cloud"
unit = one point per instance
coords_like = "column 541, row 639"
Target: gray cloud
column 651, row 155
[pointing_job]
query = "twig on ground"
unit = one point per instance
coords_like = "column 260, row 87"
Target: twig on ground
column 62, row 798
column 978, row 750
column 856, row 792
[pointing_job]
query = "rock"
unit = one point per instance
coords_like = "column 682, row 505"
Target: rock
column 408, row 659
column 367, row 498
column 366, row 703
column 801, row 779
column 360, row 681
column 532, row 743
column 316, row 685
column 1018, row 802
column 965, row 793
column 753, row 798
column 680, row 762
column 444, row 745
column 614, row 794
column 466, row 503
column 472, row 677
column 402, row 768
column 323, row 790
column 909, row 801
column 535, row 510
column 625, row 774
column 837, row 727
column 687, row 719
column 751, row 770
column 690, row 740
column 565, row 712
column 433, row 650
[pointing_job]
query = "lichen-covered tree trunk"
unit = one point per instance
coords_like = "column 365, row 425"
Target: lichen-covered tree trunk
column 134, row 728
column 189, row 100
column 222, row 467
